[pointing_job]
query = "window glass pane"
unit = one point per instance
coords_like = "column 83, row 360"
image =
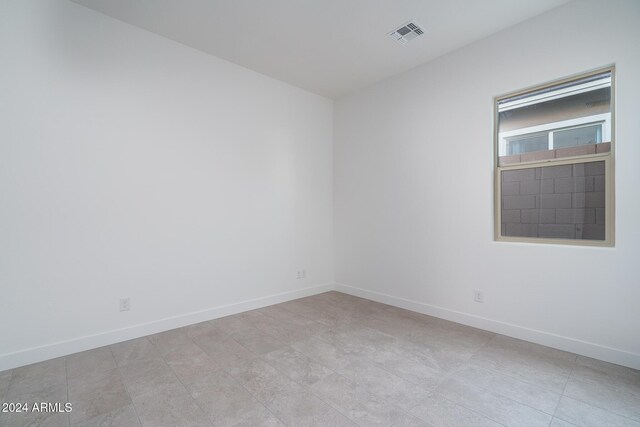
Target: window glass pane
column 577, row 136
column 560, row 202
column 527, row 143
column 577, row 114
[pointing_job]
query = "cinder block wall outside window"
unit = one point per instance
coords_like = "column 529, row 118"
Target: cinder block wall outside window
column 566, row 201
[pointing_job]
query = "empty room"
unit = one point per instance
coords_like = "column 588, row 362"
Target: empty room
column 319, row 213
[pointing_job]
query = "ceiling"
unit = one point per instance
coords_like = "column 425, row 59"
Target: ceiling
column 330, row 47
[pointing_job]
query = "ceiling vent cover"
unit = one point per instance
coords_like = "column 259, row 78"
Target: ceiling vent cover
column 406, row 32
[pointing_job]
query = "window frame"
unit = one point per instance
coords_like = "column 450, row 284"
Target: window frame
column 607, row 157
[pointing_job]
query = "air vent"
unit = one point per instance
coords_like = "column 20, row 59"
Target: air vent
column 406, row 32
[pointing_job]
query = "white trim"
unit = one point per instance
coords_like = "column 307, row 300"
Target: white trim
column 63, row 348
column 573, row 345
column 555, row 94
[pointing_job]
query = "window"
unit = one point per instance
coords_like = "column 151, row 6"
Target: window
column 554, row 165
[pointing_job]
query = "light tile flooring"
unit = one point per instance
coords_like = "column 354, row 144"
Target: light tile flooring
column 331, row 359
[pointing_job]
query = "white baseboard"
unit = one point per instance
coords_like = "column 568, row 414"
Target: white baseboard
column 63, row 348
column 584, row 348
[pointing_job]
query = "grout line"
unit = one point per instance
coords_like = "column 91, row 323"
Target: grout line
column 226, row 370
column 453, row 372
column 562, row 419
column 606, row 386
column 219, row 367
column 309, row 389
column 503, row 396
column 574, row 363
column 316, row 395
column 466, row 364
column 250, row 393
column 66, row 377
column 589, row 403
column 330, row 306
column 617, row 414
column 373, row 362
column 178, row 378
column 478, row 350
column 126, row 389
column 515, row 378
column 365, row 358
column 261, row 357
column 302, row 315
column 253, row 396
column 564, row 389
column 472, row 410
column 11, row 379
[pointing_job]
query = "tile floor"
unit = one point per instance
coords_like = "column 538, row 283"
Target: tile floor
column 331, row 359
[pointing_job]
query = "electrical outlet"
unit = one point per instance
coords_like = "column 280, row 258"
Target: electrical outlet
column 125, row 304
column 478, row 296
column 301, row 274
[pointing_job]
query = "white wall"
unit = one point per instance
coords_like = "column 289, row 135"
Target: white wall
column 413, row 189
column 133, row 166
